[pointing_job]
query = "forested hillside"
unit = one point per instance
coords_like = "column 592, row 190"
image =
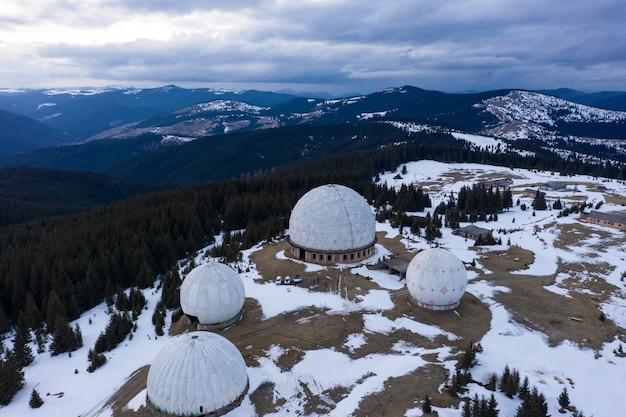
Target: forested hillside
column 22, row 134
column 33, row 193
column 56, row 268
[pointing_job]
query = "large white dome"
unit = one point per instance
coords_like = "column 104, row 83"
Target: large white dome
column 213, row 292
column 436, row 279
column 332, row 217
column 197, row 373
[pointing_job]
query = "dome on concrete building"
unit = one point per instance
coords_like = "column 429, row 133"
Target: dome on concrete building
column 330, row 224
column 196, row 374
column 436, row 279
column 214, row 294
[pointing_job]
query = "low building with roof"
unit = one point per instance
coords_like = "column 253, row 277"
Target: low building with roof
column 531, row 192
column 553, row 186
column 396, row 266
column 615, row 220
column 497, row 183
column 471, row 231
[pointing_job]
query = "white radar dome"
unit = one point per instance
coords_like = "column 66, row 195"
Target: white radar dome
column 197, row 373
column 332, row 222
column 213, row 293
column 436, row 279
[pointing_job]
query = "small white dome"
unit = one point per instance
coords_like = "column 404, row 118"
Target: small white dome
column 197, row 373
column 213, row 292
column 436, row 279
column 332, row 217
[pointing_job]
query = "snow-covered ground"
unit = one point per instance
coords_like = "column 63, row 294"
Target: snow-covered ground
column 598, row 376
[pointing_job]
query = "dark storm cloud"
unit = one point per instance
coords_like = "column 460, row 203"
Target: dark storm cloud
column 347, row 45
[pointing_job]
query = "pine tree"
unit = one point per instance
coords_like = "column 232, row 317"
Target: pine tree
column 64, row 338
column 507, row 199
column 504, row 379
column 427, row 405
column 11, row 380
column 22, row 327
column 42, row 338
column 533, row 406
column 78, row 336
column 492, row 383
column 514, row 383
column 54, row 308
column 476, row 406
column 524, row 390
column 564, row 399
column 96, row 360
column 492, row 408
column 455, row 385
column 467, row 409
column 509, row 383
column 22, row 354
column 539, row 202
column 5, row 326
column 468, row 360
column 35, row 399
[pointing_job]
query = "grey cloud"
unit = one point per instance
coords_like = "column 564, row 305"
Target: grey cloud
column 447, row 45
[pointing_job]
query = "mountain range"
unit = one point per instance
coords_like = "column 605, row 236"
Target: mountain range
column 172, row 135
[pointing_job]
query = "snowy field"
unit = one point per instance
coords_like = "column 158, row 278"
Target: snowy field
column 69, row 390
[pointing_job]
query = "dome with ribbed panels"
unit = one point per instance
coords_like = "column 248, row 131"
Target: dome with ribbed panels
column 212, row 292
column 195, row 374
column 332, row 217
column 436, row 279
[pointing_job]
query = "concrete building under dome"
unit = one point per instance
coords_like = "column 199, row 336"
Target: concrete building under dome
column 332, row 224
column 196, row 374
column 436, row 279
column 214, row 294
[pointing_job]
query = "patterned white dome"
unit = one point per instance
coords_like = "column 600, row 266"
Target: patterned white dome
column 332, row 217
column 197, row 373
column 436, row 279
column 213, row 292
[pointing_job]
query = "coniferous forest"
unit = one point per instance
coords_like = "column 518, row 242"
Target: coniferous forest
column 57, row 267
column 68, row 264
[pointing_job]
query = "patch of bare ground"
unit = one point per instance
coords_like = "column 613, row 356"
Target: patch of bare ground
column 133, row 386
column 263, row 397
column 575, row 317
column 616, row 199
column 405, row 392
column 571, row 235
column 311, row 328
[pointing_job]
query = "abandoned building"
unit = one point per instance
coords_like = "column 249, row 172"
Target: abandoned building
column 615, row 220
column 472, row 232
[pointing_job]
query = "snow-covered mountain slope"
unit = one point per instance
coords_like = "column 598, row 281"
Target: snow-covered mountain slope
column 531, row 107
column 176, row 116
column 528, row 115
column 203, row 119
column 562, row 125
column 84, row 112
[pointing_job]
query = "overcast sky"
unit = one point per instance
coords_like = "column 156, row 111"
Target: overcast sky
column 337, row 46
